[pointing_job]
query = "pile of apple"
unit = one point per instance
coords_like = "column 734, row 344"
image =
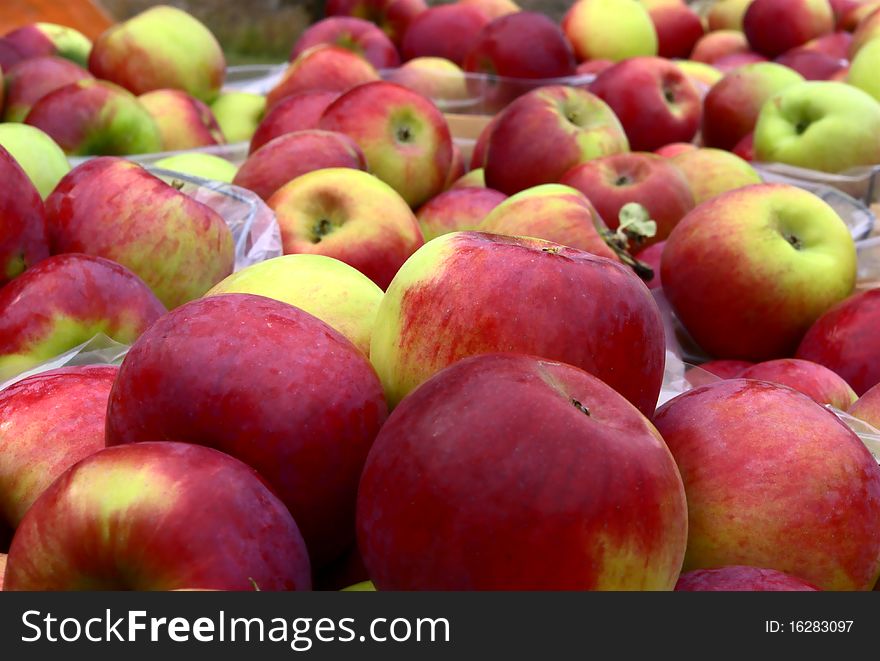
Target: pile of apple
column 450, row 379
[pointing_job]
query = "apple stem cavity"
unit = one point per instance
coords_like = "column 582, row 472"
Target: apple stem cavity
column 794, row 241
column 322, row 228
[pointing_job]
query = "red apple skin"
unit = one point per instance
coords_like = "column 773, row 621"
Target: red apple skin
column 594, row 67
column 361, row 37
column 726, row 368
column 678, row 27
column 637, row 90
column 837, row 44
column 745, row 148
column 867, row 407
column 817, row 382
column 733, row 61
column 297, row 112
column 23, row 237
column 545, row 496
column 673, row 149
column 172, row 529
column 269, row 384
column 457, row 168
column 846, row 341
column 184, row 122
column 813, row 65
column 323, row 67
column 741, row 579
column 478, row 156
column 733, row 442
column 454, row 309
column 30, row 80
column 715, row 45
column 392, row 16
column 776, row 26
column 651, row 256
column 447, row 31
column 456, row 210
column 293, row 154
column 9, row 54
column 49, row 421
column 650, row 180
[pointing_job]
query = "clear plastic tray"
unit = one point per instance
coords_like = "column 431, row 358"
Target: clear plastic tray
column 860, row 183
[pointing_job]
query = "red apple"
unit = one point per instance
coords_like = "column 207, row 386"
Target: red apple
column 736, row 60
column 493, row 8
column 654, row 100
column 592, row 67
column 478, row 155
column 3, row 557
column 867, row 407
column 434, row 77
column 715, row 45
column 738, row 578
column 511, row 472
column 457, row 210
column 151, row 517
column 850, row 18
column 774, row 480
column 817, row 382
column 678, row 27
column 184, row 122
column 813, row 65
column 357, row 35
column 776, row 26
column 447, row 31
column 297, row 112
column 44, row 39
column 745, row 148
column 23, row 239
column 726, row 369
column 457, row 168
column 392, row 16
column 673, row 149
column 652, row 256
column 837, row 44
column 30, row 80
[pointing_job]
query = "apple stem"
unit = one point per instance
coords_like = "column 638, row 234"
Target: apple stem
column 580, row 407
column 635, row 226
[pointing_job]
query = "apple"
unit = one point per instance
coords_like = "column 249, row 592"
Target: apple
column 435, row 77
column 472, row 179
column 851, row 13
column 363, row 586
column 727, row 14
column 844, row 339
column 392, row 16
column 738, row 578
column 457, row 168
column 271, row 385
column 168, row 526
column 730, row 109
column 674, row 149
column 239, row 114
column 733, row 61
column 866, row 31
column 836, row 44
column 465, row 293
column 30, row 80
column 359, row 36
column 66, row 300
column 446, row 31
column 654, row 100
column 821, row 125
column 478, row 155
column 513, row 472
column 334, row 292
column 3, row 557
column 115, row 209
column 817, row 382
column 24, row 240
column 44, row 39
column 647, row 179
column 183, row 121
column 715, row 45
column 592, row 67
column 204, row 166
column 678, row 27
column 745, row 148
column 297, row 112
column 545, row 133
column 703, row 75
column 867, row 407
column 293, row 154
column 765, row 470
column 456, row 210
column 726, row 369
column 652, row 256
column 775, row 26
column 162, row 47
column 609, row 30
column 322, row 67
column 863, row 70
column 711, row 172
column 813, row 65
column 39, row 156
column 493, row 8
column 349, row 215
column 96, row 117
column 749, row 271
column 404, row 137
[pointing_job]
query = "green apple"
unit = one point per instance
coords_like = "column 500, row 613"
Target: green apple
column 363, row 586
column 206, row 166
column 864, row 68
column 239, row 114
column 820, row 125
column 610, row 30
column 38, row 155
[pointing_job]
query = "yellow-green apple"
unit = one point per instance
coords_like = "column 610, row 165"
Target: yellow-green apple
column 749, row 271
column 48, row 422
column 269, row 384
column 166, row 525
column 654, row 100
column 545, row 133
column 701, row 74
column 678, row 27
column 674, row 149
column 349, row 215
column 864, row 67
column 334, row 292
column 293, row 154
column 765, row 471
column 730, row 109
column 297, row 112
column 647, row 179
column 652, row 256
column 775, row 26
column 43, row 39
column 469, row 293
column 322, row 67
column 183, row 121
column 715, row 45
column 817, row 382
column 162, row 47
column 446, row 31
column 845, row 340
column 867, row 30
column 609, row 30
column 821, row 125
column 727, row 14
column 392, row 16
column 562, row 485
column 66, row 300
column 359, row 36
column 39, row 156
column 197, row 164
column 457, row 209
column 813, row 65
column 435, row 77
column 30, row 80
column 738, row 578
column 404, row 137
column 96, row 117
column 115, row 209
column 711, row 172
column 239, row 114
column 472, row 179
column 23, row 238
column 363, row 586
column 867, row 407
column 552, row 212
column 493, row 8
